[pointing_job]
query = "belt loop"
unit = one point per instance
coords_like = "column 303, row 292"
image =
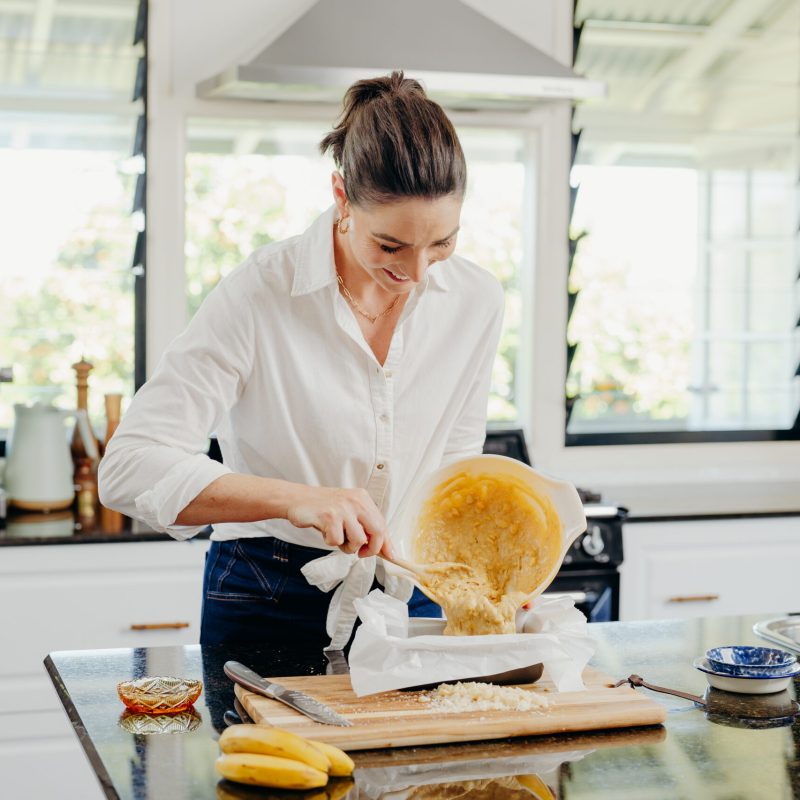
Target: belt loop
column 280, row 550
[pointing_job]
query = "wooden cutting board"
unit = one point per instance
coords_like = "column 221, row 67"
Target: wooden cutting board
column 399, row 719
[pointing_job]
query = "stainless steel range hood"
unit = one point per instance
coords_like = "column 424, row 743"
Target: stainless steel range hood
column 464, row 59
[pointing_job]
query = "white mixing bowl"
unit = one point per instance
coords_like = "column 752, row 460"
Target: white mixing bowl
column 562, row 495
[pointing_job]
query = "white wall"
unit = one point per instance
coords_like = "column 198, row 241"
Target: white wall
column 210, row 36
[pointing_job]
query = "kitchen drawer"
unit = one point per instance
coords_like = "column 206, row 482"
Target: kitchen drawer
column 41, row 757
column 88, row 596
column 30, row 727
column 738, row 581
column 702, row 568
column 34, row 693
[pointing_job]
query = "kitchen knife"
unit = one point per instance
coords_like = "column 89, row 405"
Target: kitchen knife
column 312, row 708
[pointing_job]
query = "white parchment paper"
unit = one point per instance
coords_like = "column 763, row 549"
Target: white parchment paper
column 384, row 657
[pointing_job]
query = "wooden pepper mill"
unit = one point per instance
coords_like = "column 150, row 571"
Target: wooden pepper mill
column 82, row 369
column 111, row 521
column 83, row 476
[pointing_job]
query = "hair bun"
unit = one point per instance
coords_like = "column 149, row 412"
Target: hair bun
column 392, row 140
column 370, row 89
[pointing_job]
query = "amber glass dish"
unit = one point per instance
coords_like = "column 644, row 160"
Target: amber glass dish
column 159, row 695
column 145, row 724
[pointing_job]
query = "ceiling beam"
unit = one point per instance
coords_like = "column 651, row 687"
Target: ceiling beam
column 706, row 49
column 71, row 106
column 82, row 10
column 620, row 121
column 630, row 33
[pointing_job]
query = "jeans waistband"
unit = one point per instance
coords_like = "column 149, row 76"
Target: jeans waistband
column 270, row 548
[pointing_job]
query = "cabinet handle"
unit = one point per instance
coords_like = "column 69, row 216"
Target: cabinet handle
column 694, row 598
column 158, row 626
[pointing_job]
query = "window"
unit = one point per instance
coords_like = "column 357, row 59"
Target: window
column 251, row 182
column 683, row 286
column 67, row 130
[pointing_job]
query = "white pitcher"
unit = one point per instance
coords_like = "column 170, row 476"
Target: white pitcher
column 39, row 464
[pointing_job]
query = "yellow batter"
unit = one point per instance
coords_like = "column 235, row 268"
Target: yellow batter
column 508, row 537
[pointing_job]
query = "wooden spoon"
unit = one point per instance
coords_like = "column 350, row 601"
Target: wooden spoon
column 424, row 570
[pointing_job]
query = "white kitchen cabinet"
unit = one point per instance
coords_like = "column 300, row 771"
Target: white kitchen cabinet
column 694, row 568
column 64, row 597
column 78, row 596
column 30, row 740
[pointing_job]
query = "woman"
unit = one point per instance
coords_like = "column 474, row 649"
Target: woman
column 336, row 367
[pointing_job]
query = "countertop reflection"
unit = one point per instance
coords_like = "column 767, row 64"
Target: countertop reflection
column 27, row 528
column 696, row 754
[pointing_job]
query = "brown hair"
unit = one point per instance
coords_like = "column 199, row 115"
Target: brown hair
column 393, row 141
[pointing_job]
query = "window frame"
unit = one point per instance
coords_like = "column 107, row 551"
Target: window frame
column 692, row 435
column 141, row 35
column 682, row 437
column 140, row 269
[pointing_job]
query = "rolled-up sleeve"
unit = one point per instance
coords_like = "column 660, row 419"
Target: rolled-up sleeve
column 469, row 429
column 156, row 462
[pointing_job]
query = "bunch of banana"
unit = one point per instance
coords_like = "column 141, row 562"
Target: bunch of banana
column 264, row 756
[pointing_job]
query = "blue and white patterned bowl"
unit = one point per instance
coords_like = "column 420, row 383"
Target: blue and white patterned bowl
column 746, row 661
column 747, row 684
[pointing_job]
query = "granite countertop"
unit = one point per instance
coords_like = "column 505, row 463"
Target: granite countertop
column 696, row 754
column 65, row 527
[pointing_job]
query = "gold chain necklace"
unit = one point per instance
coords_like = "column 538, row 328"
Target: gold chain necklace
column 373, row 318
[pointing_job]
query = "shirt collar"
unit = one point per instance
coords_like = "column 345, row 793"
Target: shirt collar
column 316, row 267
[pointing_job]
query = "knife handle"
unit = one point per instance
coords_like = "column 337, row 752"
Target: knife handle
column 244, row 676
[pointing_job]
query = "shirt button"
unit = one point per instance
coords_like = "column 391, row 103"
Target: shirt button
column 388, row 373
column 380, row 466
column 384, row 417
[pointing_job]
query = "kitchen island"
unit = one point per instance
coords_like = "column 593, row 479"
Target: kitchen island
column 691, row 756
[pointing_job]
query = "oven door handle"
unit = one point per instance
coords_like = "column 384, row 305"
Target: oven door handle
column 576, row 597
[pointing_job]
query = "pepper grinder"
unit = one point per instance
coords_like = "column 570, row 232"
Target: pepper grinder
column 82, row 369
column 83, row 475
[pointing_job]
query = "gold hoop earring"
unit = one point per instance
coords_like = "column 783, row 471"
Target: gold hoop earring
column 343, row 225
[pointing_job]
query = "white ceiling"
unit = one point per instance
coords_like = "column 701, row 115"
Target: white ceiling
column 692, row 76
column 681, row 73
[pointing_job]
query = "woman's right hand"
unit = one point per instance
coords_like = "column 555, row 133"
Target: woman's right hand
column 346, row 518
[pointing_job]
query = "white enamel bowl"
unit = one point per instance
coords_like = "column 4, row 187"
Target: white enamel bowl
column 562, row 495
column 745, row 685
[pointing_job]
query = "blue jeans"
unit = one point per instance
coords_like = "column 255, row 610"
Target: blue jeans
column 254, row 593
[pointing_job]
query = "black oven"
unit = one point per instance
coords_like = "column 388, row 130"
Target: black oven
column 589, row 573
column 590, row 570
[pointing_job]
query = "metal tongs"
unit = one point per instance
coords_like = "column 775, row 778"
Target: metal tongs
column 637, row 680
column 732, row 709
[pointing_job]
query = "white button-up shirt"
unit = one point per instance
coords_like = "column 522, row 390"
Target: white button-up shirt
column 275, row 363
